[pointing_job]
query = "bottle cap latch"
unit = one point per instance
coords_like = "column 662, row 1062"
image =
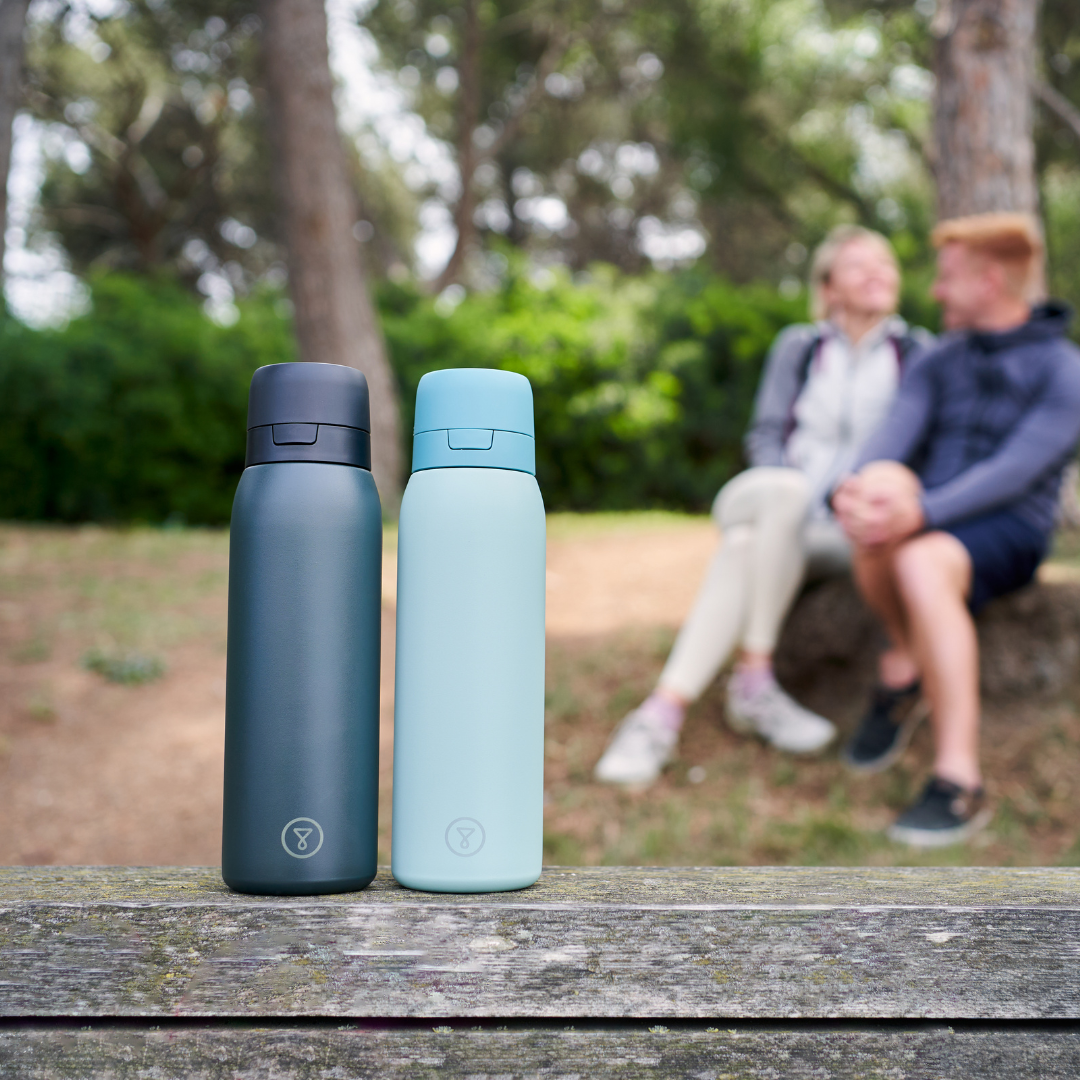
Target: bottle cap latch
column 470, row 438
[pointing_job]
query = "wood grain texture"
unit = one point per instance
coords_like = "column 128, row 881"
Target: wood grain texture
column 592, row 942
column 455, row 1051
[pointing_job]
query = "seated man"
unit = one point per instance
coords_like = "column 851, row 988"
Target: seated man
column 953, row 503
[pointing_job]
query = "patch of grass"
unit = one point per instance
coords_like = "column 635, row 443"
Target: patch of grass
column 34, row 650
column 560, row 702
column 571, row 526
column 751, row 805
column 40, row 708
column 561, row 850
column 128, row 669
column 784, row 773
column 1071, row 855
column 141, row 589
column 1066, row 547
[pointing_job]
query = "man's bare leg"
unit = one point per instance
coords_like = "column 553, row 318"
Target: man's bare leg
column 875, row 576
column 933, row 578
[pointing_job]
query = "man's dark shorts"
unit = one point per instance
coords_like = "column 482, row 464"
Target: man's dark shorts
column 1005, row 553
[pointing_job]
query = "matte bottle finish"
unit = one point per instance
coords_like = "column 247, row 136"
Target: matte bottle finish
column 302, row 689
column 469, row 695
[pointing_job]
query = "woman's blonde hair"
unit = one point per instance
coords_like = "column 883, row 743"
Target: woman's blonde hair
column 825, row 255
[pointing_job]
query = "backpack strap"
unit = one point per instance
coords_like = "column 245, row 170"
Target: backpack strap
column 904, row 344
column 806, row 362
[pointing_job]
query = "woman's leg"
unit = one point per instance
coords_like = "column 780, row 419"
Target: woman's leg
column 750, row 582
column 755, row 702
column 715, row 623
column 778, row 560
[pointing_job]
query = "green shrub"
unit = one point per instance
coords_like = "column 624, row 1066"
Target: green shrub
column 643, row 386
column 133, row 412
column 136, row 410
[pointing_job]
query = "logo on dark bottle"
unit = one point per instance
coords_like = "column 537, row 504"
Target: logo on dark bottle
column 465, row 836
column 302, row 837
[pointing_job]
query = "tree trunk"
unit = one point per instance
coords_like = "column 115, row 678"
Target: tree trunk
column 12, row 25
column 984, row 60
column 335, row 318
column 468, row 154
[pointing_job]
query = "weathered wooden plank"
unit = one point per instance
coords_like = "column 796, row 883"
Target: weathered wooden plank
column 979, row 886
column 626, row 1053
column 593, row 942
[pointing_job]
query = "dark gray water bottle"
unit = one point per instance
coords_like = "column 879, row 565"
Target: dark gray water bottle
column 302, row 689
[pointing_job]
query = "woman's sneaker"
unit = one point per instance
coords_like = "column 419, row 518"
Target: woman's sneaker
column 944, row 814
column 640, row 748
column 886, row 728
column 778, row 719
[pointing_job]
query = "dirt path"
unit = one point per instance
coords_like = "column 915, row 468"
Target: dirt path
column 92, row 772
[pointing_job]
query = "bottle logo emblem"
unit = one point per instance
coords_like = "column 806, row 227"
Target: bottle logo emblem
column 302, row 837
column 465, row 836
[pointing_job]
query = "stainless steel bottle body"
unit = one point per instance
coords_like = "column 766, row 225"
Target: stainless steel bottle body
column 469, row 698
column 302, row 690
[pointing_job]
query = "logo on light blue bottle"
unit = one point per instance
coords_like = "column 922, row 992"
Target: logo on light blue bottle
column 302, row 837
column 465, row 836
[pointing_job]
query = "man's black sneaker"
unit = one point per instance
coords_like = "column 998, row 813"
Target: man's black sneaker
column 944, row 814
column 886, row 728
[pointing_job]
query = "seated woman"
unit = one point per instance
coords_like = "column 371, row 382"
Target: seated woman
column 824, row 390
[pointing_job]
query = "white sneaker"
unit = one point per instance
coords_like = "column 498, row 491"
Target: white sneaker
column 639, row 749
column 778, row 719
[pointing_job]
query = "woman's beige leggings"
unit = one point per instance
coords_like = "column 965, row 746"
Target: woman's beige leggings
column 767, row 549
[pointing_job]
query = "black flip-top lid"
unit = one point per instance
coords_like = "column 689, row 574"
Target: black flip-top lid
column 309, row 394
column 309, row 412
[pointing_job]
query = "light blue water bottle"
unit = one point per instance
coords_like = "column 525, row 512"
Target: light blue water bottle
column 469, row 686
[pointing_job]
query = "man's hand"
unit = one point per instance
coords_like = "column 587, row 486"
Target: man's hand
column 881, row 505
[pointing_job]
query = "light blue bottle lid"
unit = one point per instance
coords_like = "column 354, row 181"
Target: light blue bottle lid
column 474, row 418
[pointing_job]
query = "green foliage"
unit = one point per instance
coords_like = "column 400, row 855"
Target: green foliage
column 128, row 669
column 157, row 154
column 1061, row 205
column 759, row 125
column 136, row 410
column 133, row 412
column 643, row 387
column 175, row 170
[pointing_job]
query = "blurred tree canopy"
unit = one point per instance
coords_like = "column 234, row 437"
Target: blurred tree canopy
column 164, row 161
column 157, row 140
column 615, row 131
column 632, row 132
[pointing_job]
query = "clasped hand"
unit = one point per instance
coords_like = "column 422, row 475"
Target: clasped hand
column 879, row 505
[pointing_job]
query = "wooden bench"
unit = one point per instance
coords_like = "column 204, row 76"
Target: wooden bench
column 593, row 972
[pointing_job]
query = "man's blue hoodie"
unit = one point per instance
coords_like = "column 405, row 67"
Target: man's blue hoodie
column 988, row 421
